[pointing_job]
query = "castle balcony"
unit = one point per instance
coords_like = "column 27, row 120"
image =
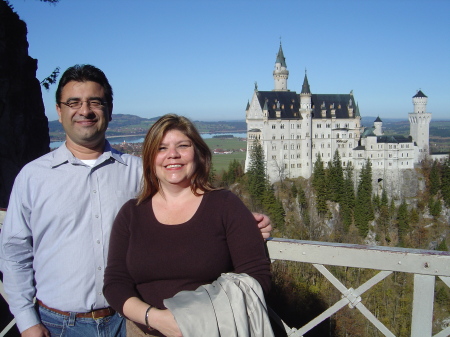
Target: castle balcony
column 425, row 266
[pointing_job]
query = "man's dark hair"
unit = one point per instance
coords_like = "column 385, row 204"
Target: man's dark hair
column 84, row 73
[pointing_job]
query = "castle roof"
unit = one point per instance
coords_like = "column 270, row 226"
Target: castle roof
column 305, row 86
column 288, row 102
column 378, row 120
column 280, row 57
column 368, row 132
column 328, row 102
column 393, row 139
column 419, row 94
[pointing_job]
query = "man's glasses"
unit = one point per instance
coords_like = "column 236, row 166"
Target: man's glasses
column 92, row 103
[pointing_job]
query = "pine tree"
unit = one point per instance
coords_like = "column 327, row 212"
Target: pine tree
column 336, row 178
column 234, row 172
column 348, row 199
column 402, row 222
column 384, row 198
column 435, row 180
column 256, row 175
column 320, row 185
column 363, row 205
column 273, row 207
column 445, row 181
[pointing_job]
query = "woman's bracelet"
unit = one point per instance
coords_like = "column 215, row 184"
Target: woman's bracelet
column 146, row 318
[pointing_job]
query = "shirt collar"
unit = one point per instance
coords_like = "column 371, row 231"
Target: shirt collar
column 62, row 155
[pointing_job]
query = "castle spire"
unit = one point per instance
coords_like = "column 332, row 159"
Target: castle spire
column 305, row 86
column 280, row 73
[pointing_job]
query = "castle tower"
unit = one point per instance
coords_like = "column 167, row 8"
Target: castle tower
column 419, row 124
column 306, row 113
column 305, row 95
column 280, row 73
column 378, row 124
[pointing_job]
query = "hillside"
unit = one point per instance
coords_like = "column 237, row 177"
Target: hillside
column 131, row 125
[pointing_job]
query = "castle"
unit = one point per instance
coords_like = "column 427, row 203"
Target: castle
column 294, row 129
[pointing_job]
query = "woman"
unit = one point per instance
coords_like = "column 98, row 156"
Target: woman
column 180, row 233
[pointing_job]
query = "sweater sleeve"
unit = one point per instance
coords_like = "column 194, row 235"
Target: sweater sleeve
column 119, row 286
column 246, row 245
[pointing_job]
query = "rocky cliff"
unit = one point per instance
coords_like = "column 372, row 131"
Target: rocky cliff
column 23, row 124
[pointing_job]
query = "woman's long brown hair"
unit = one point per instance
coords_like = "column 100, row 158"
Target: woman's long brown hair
column 150, row 148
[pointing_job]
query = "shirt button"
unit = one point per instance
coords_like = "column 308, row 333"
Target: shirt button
column 98, row 241
column 94, row 191
column 99, row 268
column 96, row 215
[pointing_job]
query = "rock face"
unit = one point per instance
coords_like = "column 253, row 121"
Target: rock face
column 23, row 124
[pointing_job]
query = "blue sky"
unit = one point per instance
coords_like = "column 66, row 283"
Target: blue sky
column 201, row 58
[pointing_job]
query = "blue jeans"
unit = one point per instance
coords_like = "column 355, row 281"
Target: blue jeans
column 71, row 326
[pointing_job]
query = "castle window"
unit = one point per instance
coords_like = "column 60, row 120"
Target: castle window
column 298, row 146
column 292, row 146
column 337, row 135
column 350, row 135
column 319, row 126
column 285, row 146
column 274, row 126
column 299, row 126
column 274, row 157
column 298, row 136
column 274, row 146
column 285, row 166
column 285, row 156
column 299, row 165
column 292, row 165
column 282, row 126
column 273, row 137
column 282, row 136
column 298, row 155
column 292, row 156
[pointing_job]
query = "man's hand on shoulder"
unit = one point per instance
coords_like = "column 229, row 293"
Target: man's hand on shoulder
column 38, row 330
column 263, row 224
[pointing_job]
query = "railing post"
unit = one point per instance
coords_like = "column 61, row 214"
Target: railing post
column 422, row 313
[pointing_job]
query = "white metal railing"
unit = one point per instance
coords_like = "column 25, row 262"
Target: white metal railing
column 426, row 265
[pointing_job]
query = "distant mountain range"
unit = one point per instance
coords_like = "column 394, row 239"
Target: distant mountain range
column 130, row 125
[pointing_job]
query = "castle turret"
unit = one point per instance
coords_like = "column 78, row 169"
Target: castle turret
column 305, row 95
column 280, row 73
column 419, row 124
column 378, row 127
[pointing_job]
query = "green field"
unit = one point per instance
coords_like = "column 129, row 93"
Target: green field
column 221, row 161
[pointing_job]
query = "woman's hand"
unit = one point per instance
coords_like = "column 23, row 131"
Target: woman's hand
column 164, row 322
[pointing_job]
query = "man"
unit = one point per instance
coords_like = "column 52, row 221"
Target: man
column 54, row 241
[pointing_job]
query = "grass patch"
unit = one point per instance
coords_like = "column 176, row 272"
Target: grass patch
column 221, row 161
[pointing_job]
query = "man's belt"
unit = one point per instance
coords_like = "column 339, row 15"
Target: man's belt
column 95, row 314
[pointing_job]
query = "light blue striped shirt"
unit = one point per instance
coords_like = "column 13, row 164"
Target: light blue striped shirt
column 57, row 226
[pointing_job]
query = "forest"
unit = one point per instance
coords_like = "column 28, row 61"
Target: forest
column 334, row 205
